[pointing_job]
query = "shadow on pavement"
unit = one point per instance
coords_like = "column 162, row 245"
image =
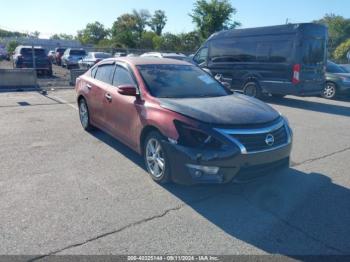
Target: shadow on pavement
column 288, row 212
column 312, row 106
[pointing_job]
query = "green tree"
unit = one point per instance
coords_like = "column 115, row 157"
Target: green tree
column 158, row 22
column 147, row 40
column 212, row 16
column 124, row 31
column 62, row 37
column 142, row 20
column 170, row 42
column 11, row 46
column 92, row 33
column 338, row 29
column 34, row 34
column 190, row 42
column 342, row 50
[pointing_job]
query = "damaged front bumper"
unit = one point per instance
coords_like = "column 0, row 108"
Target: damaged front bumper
column 235, row 160
column 195, row 166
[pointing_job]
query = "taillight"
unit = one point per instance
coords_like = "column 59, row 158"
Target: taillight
column 296, row 74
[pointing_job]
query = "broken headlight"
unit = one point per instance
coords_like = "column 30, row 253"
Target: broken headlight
column 192, row 137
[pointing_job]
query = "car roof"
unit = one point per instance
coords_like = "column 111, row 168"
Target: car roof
column 148, row 61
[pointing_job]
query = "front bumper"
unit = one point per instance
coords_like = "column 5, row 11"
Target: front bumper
column 232, row 163
column 237, row 159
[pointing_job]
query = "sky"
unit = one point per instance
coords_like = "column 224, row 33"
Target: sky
column 68, row 16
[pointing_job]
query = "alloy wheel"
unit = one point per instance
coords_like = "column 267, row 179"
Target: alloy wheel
column 84, row 114
column 329, row 91
column 155, row 158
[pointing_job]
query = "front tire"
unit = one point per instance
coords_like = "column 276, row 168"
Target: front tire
column 329, row 90
column 84, row 115
column 155, row 158
column 252, row 89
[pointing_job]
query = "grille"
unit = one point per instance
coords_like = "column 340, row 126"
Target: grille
column 256, row 142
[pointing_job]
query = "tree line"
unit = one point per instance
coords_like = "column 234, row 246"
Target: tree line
column 141, row 29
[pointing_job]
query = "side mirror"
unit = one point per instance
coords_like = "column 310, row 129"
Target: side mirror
column 127, row 90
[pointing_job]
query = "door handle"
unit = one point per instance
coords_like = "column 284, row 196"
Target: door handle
column 89, row 86
column 108, row 97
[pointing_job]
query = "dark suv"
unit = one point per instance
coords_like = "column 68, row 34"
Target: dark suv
column 24, row 58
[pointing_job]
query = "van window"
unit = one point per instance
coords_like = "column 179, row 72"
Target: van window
column 105, row 73
column 313, row 51
column 280, row 51
column 229, row 51
column 263, row 52
column 201, row 56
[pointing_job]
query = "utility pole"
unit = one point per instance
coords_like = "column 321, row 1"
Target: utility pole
column 33, row 57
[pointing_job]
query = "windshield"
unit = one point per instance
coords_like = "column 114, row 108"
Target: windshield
column 37, row 52
column 180, row 81
column 313, row 51
column 334, row 68
column 102, row 55
column 78, row 52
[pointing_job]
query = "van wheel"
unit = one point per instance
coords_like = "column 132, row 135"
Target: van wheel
column 329, row 90
column 252, row 89
column 156, row 160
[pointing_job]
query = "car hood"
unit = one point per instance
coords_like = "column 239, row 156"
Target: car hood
column 234, row 109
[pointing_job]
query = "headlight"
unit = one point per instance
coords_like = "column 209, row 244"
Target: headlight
column 193, row 137
column 288, row 125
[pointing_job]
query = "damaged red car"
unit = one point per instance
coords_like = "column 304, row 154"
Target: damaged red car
column 188, row 127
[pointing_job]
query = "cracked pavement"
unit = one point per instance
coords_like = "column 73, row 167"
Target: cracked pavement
column 65, row 191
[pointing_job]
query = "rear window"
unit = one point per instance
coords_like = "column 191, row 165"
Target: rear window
column 61, row 50
column 313, row 51
column 29, row 52
column 102, row 55
column 105, row 73
column 78, row 52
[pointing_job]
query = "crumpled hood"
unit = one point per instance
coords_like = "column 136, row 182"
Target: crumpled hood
column 234, row 109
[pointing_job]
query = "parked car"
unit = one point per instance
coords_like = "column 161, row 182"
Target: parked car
column 4, row 55
column 71, row 57
column 51, row 56
column 346, row 67
column 58, row 55
column 188, row 127
column 277, row 60
column 120, row 54
column 177, row 56
column 337, row 81
column 92, row 58
column 23, row 58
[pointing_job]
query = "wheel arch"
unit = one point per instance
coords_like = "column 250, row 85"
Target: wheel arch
column 144, row 133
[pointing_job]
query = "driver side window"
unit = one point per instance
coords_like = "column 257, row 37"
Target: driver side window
column 122, row 77
column 201, row 56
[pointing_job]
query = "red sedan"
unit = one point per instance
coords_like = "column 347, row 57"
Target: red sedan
column 188, row 127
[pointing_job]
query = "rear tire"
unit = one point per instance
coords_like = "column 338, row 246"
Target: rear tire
column 329, row 90
column 252, row 89
column 155, row 158
column 84, row 115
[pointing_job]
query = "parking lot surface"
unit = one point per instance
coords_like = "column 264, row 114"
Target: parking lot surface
column 66, row 191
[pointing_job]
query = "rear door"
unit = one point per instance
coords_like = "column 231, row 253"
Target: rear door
column 97, row 87
column 313, row 57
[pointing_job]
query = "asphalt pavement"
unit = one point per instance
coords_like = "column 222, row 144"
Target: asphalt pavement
column 66, row 191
